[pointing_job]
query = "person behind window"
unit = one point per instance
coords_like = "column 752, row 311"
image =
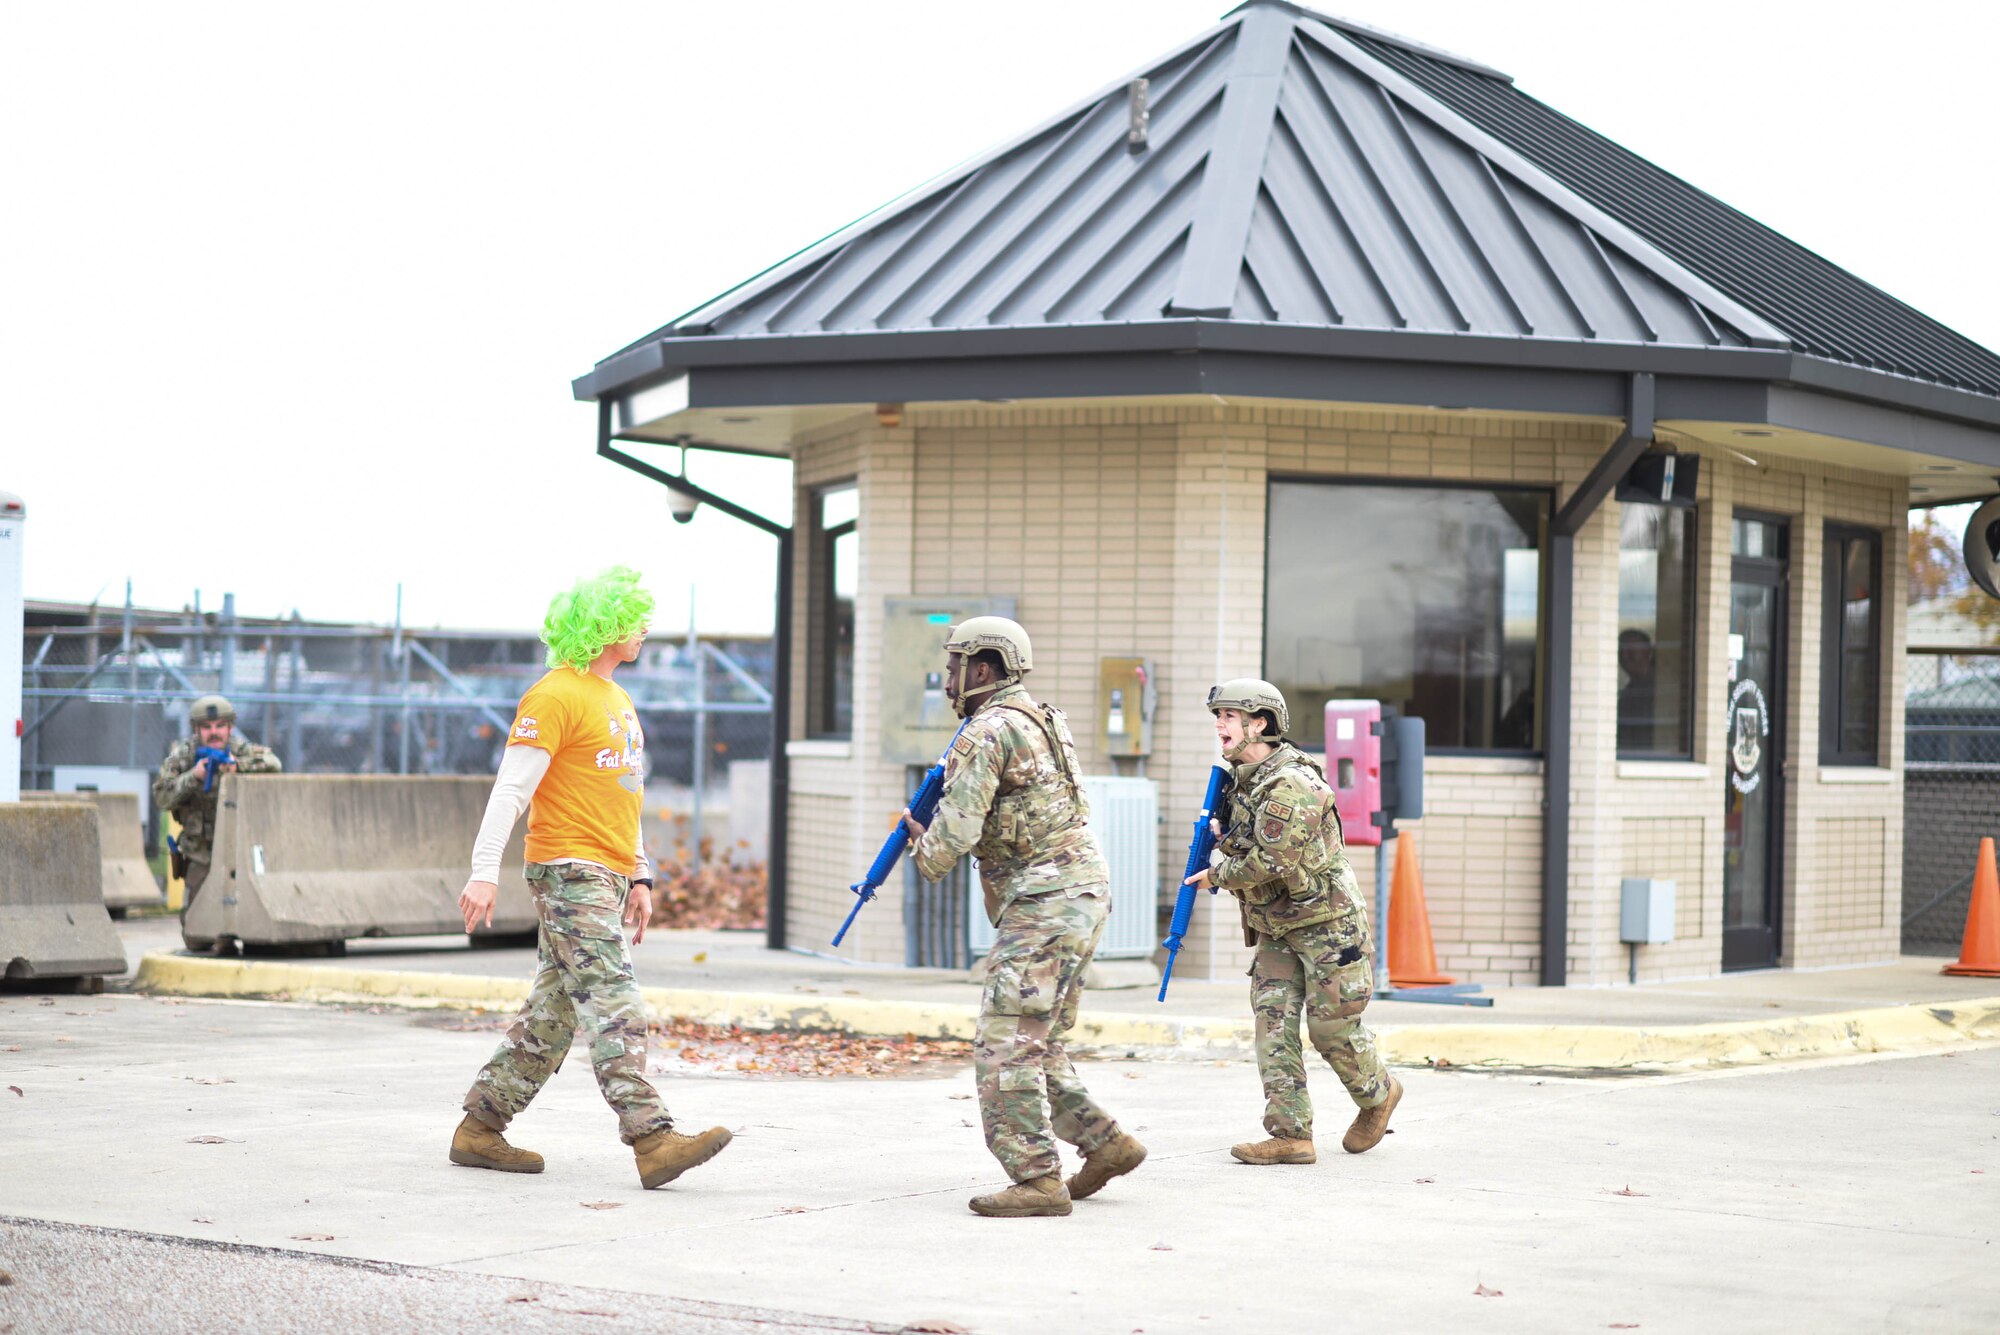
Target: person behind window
column 1635, row 697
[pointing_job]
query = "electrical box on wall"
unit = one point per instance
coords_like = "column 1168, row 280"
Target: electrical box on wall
column 1646, row 911
column 1125, row 700
column 917, row 721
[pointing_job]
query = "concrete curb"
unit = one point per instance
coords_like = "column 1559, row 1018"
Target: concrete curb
column 1925, row 1027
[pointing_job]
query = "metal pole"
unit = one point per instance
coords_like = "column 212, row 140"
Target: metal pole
column 403, row 671
column 228, row 686
column 1382, row 915
column 132, row 683
column 292, row 755
column 700, row 768
column 775, row 905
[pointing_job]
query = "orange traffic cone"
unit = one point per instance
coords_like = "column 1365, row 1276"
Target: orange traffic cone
column 1412, row 961
column 1979, row 953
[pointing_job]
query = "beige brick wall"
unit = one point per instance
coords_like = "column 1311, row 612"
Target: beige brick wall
column 1140, row 530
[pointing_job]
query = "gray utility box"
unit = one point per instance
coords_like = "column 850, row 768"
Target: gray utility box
column 1646, row 911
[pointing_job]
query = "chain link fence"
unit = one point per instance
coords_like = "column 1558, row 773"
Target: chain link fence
column 106, row 696
column 1951, row 791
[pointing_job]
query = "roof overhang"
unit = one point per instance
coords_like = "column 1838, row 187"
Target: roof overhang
column 758, row 394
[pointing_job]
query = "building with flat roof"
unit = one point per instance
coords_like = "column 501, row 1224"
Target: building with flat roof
column 1315, row 353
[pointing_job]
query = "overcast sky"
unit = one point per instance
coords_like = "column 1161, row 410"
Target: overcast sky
column 291, row 294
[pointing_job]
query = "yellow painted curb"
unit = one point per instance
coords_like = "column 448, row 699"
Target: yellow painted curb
column 1911, row 1028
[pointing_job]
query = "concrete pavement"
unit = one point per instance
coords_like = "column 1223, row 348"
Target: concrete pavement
column 1849, row 1194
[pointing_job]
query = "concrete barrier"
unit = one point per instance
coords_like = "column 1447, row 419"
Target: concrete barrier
column 303, row 859
column 121, row 839
column 53, row 923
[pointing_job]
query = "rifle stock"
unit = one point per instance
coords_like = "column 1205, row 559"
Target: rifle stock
column 923, row 805
column 1199, row 849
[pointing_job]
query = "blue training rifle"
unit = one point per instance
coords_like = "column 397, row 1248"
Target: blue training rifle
column 923, row 806
column 217, row 757
column 1199, row 849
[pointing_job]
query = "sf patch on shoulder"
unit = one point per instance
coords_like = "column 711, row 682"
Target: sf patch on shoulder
column 962, row 744
column 1272, row 820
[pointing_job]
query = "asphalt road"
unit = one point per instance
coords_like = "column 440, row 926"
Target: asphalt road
column 1846, row 1195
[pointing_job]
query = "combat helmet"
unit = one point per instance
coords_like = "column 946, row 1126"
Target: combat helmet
column 211, row 709
column 1001, row 636
column 1253, row 695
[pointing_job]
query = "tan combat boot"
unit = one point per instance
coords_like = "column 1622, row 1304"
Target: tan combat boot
column 1371, row 1124
column 1114, row 1158
column 1277, row 1149
column 665, row 1155
column 1035, row 1197
column 477, row 1145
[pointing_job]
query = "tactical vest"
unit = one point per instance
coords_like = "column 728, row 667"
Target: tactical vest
column 1024, row 820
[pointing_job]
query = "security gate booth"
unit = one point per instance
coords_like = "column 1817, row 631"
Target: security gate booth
column 1321, row 354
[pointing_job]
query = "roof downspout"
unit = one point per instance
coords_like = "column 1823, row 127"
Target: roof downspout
column 781, row 664
column 1558, row 779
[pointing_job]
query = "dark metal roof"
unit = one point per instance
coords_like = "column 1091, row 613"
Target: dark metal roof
column 1310, row 174
column 1828, row 311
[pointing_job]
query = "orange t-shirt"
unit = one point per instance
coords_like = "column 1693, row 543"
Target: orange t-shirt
column 588, row 803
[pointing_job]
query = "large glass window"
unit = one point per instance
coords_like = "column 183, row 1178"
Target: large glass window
column 1426, row 598
column 836, row 568
column 1850, row 646
column 1655, row 630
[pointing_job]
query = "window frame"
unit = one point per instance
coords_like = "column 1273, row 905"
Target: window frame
column 1836, row 539
column 1545, row 492
column 1691, row 606
column 822, row 700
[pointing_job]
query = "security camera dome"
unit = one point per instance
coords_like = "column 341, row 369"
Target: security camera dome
column 681, row 505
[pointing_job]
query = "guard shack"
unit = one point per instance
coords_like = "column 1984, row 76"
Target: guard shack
column 1317, row 353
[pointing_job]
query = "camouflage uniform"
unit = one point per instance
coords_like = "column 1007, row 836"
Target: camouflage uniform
column 584, row 974
column 177, row 790
column 1013, row 800
column 1282, row 857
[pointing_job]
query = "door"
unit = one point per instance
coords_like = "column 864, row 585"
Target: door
column 1753, row 787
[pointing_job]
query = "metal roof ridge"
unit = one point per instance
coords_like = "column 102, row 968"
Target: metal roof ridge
column 1380, row 35
column 1758, row 328
column 1232, row 176
column 692, row 321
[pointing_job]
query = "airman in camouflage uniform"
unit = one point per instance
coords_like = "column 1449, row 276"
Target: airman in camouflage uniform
column 1281, row 855
column 1014, row 800
column 183, row 787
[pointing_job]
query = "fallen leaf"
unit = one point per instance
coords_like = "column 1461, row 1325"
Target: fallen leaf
column 1481, row 1291
column 792, row 1209
column 967, row 1096
column 207, row 1140
column 701, row 957
column 1442, row 1062
column 313, row 1237
column 1976, row 1170
column 936, row 1327
column 524, row 1298
column 1627, row 1191
column 11, row 1047
column 1424, row 1181
column 16, row 1090
column 1160, row 1247
column 600, row 1205
column 211, row 1080
column 5, row 1279
column 1624, row 1325
column 199, row 1220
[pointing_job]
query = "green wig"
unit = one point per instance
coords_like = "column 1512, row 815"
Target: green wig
column 597, row 612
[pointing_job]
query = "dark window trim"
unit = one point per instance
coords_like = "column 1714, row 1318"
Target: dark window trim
column 1547, row 491
column 1691, row 607
column 1833, row 569
column 821, row 707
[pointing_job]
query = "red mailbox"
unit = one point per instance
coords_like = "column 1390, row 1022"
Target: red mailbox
column 1354, row 767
